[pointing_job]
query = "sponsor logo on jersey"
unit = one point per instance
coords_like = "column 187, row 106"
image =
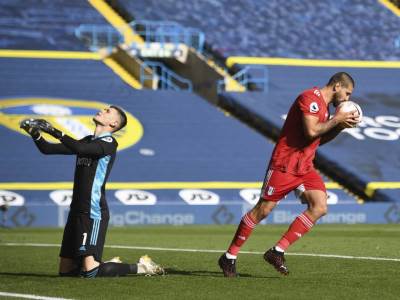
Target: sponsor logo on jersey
column 84, row 161
column 72, row 117
column 314, row 107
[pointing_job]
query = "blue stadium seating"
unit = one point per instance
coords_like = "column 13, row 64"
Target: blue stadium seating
column 44, row 24
column 185, row 139
column 193, row 141
column 345, row 29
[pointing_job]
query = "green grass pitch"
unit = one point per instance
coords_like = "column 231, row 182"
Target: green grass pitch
column 195, row 275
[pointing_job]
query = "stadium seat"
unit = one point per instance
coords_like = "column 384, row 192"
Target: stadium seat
column 44, row 24
column 298, row 29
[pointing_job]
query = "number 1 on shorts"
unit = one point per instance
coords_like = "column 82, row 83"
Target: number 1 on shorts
column 84, row 239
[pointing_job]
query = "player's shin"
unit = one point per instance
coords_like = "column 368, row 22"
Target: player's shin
column 299, row 227
column 243, row 232
column 111, row 269
column 73, row 273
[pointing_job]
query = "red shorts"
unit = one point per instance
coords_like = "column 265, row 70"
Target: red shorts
column 278, row 184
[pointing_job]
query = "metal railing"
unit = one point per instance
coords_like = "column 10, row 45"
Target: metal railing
column 98, row 37
column 169, row 32
column 254, row 78
column 165, row 78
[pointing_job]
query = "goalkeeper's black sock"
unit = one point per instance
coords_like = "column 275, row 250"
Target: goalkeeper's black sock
column 73, row 273
column 111, row 269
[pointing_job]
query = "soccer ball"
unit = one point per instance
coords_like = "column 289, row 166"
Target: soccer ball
column 348, row 106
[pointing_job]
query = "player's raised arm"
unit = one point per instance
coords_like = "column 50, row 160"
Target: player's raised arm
column 313, row 128
column 101, row 147
column 31, row 126
column 97, row 148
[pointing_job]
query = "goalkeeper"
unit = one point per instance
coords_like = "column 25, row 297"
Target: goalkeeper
column 85, row 231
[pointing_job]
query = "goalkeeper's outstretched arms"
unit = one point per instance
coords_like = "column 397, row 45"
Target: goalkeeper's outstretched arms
column 31, row 126
column 80, row 147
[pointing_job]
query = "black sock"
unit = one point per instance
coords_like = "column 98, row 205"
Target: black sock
column 73, row 273
column 111, row 269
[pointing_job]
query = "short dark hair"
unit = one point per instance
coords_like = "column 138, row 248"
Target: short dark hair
column 122, row 117
column 343, row 78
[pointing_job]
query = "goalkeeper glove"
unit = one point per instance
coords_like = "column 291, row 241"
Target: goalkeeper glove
column 48, row 128
column 30, row 126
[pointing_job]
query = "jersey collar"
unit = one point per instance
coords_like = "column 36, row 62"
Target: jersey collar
column 101, row 135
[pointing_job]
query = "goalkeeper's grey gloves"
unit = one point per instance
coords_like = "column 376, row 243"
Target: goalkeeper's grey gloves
column 32, row 126
column 45, row 126
column 29, row 125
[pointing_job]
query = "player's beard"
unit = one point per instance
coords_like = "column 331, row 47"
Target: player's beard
column 336, row 100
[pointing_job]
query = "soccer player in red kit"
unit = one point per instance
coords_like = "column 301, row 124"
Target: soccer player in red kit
column 291, row 168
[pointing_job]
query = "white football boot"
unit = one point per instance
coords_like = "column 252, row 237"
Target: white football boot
column 149, row 267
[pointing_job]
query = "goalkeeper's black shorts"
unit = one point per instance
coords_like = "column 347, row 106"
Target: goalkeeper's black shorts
column 84, row 236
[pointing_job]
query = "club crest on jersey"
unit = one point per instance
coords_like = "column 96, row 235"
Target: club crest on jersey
column 72, row 117
column 314, row 107
column 270, row 190
column 107, row 139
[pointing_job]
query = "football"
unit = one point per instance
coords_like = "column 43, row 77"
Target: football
column 350, row 106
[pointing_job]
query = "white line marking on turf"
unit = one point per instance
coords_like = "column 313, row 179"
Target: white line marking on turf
column 211, row 251
column 27, row 296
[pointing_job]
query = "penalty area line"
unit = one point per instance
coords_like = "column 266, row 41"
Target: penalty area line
column 28, row 296
column 212, row 251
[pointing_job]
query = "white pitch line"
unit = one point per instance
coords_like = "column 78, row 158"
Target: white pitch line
column 28, row 296
column 211, row 251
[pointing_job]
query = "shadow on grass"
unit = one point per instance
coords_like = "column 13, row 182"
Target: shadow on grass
column 29, row 275
column 212, row 274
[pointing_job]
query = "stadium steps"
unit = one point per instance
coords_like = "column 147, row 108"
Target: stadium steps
column 202, row 71
column 116, row 20
column 129, row 69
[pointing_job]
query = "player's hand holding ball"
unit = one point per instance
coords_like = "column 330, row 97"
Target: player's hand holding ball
column 349, row 114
